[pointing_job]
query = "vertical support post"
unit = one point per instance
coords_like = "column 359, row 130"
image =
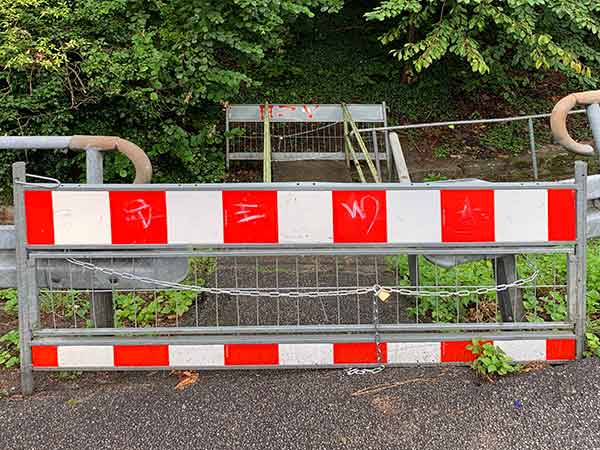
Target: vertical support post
column 102, row 302
column 534, row 161
column 413, row 269
column 388, row 152
column 593, row 113
column 18, row 169
column 346, row 138
column 376, row 152
column 580, row 253
column 267, row 146
column 227, row 137
column 94, row 167
column 511, row 300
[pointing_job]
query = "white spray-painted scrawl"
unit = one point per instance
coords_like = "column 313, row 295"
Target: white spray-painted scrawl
column 248, row 211
column 358, row 209
column 139, row 211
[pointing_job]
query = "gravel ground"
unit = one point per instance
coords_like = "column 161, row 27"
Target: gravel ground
column 424, row 408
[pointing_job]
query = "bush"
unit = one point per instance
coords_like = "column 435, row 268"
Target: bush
column 494, row 36
column 156, row 73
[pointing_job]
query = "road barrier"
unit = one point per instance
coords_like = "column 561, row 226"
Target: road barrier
column 294, row 274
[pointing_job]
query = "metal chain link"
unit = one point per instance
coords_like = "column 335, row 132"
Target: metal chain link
column 250, row 292
column 378, row 352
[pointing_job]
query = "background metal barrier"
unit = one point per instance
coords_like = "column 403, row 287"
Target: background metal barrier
column 299, row 132
column 294, row 275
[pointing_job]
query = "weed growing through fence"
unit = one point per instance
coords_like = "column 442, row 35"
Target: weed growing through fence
column 9, row 349
column 491, row 360
column 11, row 301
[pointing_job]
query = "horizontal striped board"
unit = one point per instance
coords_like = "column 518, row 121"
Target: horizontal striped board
column 288, row 355
column 309, row 217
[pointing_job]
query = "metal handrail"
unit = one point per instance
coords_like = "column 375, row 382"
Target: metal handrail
column 90, row 144
column 463, row 122
column 558, row 120
column 266, row 146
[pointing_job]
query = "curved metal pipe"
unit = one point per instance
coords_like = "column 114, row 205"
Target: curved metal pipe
column 139, row 159
column 558, row 120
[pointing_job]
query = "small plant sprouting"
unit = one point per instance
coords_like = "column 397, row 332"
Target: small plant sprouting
column 491, row 361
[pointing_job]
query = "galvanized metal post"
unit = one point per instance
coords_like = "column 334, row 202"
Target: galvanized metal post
column 102, row 302
column 346, row 145
column 534, row 161
column 593, row 113
column 376, row 152
column 388, row 152
column 227, row 138
column 22, row 278
column 580, row 252
column 267, row 145
column 511, row 300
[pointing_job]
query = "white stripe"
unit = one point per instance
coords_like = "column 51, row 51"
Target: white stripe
column 413, row 352
column 194, row 217
column 305, row 354
column 305, row 217
column 521, row 215
column 525, row 350
column 81, row 218
column 85, row 356
column 414, row 217
column 196, row 355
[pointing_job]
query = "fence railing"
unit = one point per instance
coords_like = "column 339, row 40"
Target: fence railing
column 529, row 119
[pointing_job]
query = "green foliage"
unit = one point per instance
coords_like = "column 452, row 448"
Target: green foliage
column 491, row 360
column 9, row 349
column 441, row 151
column 152, row 72
column 11, row 301
column 494, row 36
column 509, row 138
column 136, row 310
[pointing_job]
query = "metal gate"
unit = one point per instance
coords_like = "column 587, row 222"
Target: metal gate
column 295, row 275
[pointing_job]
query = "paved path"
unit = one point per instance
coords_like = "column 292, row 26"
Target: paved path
column 319, row 171
column 427, row 408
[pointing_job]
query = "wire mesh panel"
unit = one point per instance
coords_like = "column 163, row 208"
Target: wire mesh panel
column 300, row 131
column 292, row 291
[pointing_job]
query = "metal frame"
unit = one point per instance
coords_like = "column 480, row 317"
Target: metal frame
column 27, row 256
column 333, row 114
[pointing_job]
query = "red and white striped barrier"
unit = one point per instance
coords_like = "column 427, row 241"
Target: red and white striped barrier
column 433, row 216
column 291, row 355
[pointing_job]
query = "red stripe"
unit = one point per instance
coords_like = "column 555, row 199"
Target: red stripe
column 141, row 355
column 39, row 217
column 251, row 354
column 562, row 215
column 358, row 353
column 138, row 217
column 560, row 349
column 359, row 216
column 467, row 215
column 250, row 217
column 456, row 351
column 44, row 356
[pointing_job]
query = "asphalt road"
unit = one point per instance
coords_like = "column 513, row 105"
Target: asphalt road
column 421, row 408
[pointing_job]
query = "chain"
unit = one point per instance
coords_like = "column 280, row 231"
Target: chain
column 251, row 292
column 378, row 352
